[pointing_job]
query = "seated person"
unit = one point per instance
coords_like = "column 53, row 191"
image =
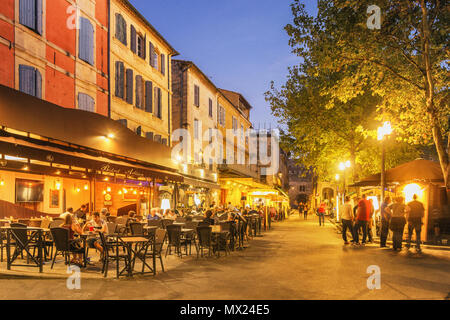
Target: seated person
column 153, row 215
column 208, row 218
column 76, row 249
column 131, row 218
column 99, row 225
column 170, row 215
column 188, row 218
column 69, row 211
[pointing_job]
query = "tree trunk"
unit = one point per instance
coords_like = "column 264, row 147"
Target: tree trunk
column 429, row 85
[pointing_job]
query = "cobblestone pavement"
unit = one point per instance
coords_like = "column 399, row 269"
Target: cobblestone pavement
column 296, row 260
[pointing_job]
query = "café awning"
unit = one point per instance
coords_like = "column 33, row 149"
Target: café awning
column 417, row 170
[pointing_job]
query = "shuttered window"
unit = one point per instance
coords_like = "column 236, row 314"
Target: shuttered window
column 30, row 81
column 157, row 138
column 163, row 64
column 210, row 113
column 86, row 102
column 141, row 51
column 148, row 96
column 86, row 41
column 133, row 39
column 30, row 14
column 149, row 135
column 151, row 53
column 139, row 131
column 121, row 29
column 129, row 87
column 196, row 96
column 123, row 122
column 164, row 141
column 196, row 129
column 120, row 76
column 158, row 103
column 139, row 92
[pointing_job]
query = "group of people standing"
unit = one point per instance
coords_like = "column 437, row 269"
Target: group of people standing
column 394, row 216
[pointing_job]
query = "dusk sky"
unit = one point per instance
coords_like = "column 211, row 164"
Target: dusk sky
column 240, row 44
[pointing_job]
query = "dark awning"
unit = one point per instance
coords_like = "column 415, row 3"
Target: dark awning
column 81, row 128
column 417, row 170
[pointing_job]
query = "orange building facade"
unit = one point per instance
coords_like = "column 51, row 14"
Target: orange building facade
column 57, row 51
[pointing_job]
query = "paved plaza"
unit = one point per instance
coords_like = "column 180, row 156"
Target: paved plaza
column 297, row 259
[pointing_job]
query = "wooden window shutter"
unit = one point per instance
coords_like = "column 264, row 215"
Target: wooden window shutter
column 210, row 108
column 38, row 84
column 139, row 92
column 86, row 41
column 163, row 64
column 86, row 102
column 133, row 39
column 119, row 79
column 148, row 96
column 27, row 80
column 27, row 13
column 149, row 135
column 123, row 122
column 39, row 16
column 159, row 103
column 196, row 96
column 129, row 87
column 150, row 53
column 139, row 131
column 144, row 48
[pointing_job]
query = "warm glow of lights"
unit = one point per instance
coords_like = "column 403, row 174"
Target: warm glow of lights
column 347, row 164
column 111, row 136
column 263, row 193
column 86, row 187
column 57, row 185
column 341, row 166
column 120, row 191
column 202, row 173
column 385, row 130
column 106, row 179
column 410, row 190
column 125, row 190
column 337, row 177
column 58, row 172
column 165, row 204
column 78, row 189
column 2, row 183
column 25, row 168
column 104, row 191
column 108, row 189
column 337, row 208
column 134, row 192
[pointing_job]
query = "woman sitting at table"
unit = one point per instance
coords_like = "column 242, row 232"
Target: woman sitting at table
column 76, row 250
column 99, row 225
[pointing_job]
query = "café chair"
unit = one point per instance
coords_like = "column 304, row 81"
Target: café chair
column 113, row 245
column 65, row 246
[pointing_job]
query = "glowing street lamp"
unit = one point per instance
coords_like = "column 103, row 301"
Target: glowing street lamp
column 383, row 131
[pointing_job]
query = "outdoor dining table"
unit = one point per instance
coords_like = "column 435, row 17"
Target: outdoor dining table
column 33, row 234
column 135, row 253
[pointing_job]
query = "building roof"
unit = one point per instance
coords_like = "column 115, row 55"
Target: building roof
column 140, row 16
column 235, row 97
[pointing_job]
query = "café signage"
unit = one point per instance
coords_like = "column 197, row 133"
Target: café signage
column 120, row 170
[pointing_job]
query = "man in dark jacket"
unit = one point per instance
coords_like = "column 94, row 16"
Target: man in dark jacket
column 415, row 212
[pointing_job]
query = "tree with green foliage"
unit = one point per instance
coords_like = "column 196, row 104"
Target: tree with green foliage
column 403, row 66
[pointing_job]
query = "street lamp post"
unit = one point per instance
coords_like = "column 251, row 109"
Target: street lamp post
column 383, row 131
column 343, row 167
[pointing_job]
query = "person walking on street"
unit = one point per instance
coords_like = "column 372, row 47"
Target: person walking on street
column 347, row 219
column 362, row 219
column 305, row 212
column 398, row 221
column 415, row 212
column 301, row 207
column 385, row 217
column 370, row 223
column 321, row 214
